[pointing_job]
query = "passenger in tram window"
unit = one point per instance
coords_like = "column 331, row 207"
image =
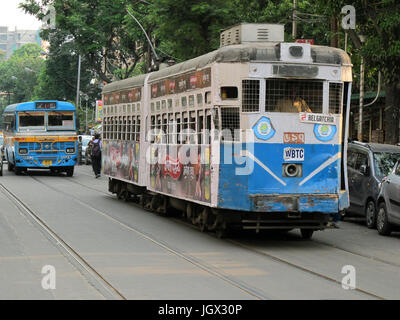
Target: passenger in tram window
column 292, row 102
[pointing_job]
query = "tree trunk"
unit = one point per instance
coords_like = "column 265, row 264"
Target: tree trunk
column 392, row 109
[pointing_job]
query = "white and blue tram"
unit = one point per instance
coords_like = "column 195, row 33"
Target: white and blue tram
column 253, row 134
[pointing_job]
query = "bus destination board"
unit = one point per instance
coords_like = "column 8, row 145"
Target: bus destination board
column 46, row 105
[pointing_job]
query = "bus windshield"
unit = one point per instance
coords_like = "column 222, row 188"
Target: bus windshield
column 60, row 121
column 31, row 121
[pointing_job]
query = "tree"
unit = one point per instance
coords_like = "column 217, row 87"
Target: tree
column 19, row 73
column 99, row 32
column 380, row 23
column 189, row 28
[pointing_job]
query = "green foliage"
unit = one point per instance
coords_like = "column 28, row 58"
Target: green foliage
column 99, row 31
column 20, row 72
column 189, row 28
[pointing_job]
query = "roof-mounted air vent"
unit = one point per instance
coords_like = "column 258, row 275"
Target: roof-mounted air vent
column 252, row 32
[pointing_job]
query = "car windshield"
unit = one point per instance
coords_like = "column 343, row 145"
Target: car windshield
column 384, row 162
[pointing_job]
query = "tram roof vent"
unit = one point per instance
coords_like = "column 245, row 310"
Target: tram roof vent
column 252, row 32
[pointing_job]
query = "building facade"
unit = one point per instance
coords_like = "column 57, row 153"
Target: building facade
column 13, row 40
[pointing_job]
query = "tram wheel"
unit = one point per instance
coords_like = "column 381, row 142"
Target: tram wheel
column 204, row 220
column 306, row 233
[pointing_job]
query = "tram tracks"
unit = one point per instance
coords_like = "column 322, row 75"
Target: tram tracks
column 278, row 259
column 87, row 270
column 233, row 242
column 255, row 293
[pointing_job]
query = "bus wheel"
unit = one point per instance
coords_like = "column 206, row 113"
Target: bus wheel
column 306, row 233
column 70, row 171
column 10, row 167
column 18, row 171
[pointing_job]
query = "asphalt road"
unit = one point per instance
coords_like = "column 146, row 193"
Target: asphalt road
column 141, row 255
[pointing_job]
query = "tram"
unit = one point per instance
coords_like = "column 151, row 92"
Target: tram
column 252, row 135
column 40, row 135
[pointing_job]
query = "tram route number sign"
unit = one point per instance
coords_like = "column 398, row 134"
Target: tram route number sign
column 294, row 137
column 293, row 154
column 316, row 118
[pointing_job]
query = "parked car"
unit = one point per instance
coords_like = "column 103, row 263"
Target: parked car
column 2, row 147
column 367, row 165
column 388, row 215
column 85, row 141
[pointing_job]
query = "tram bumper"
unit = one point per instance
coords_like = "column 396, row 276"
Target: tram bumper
column 324, row 203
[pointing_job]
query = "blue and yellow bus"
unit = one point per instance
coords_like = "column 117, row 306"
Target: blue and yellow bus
column 40, row 135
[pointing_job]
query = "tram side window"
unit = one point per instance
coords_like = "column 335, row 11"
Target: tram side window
column 114, row 129
column 105, row 121
column 185, row 123
column 153, row 128
column 335, row 97
column 138, row 128
column 178, row 128
column 129, row 132
column 120, row 128
column 250, row 95
column 165, row 128
column 200, row 128
column 230, row 124
column 293, row 96
column 124, row 129
column 207, row 138
column 192, row 127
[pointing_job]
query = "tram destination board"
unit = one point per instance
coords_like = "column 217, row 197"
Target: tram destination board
column 46, row 105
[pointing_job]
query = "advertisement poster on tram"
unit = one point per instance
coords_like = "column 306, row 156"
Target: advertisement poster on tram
column 121, row 160
column 183, row 171
column 99, row 111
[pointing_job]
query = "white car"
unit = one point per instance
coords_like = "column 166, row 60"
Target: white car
column 85, row 142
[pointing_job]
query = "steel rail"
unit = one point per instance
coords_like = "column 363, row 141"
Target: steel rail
column 106, row 288
column 194, row 261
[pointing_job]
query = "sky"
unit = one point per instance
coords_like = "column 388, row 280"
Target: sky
column 11, row 16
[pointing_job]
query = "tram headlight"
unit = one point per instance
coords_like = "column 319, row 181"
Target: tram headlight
column 70, row 150
column 292, row 170
column 23, row 151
